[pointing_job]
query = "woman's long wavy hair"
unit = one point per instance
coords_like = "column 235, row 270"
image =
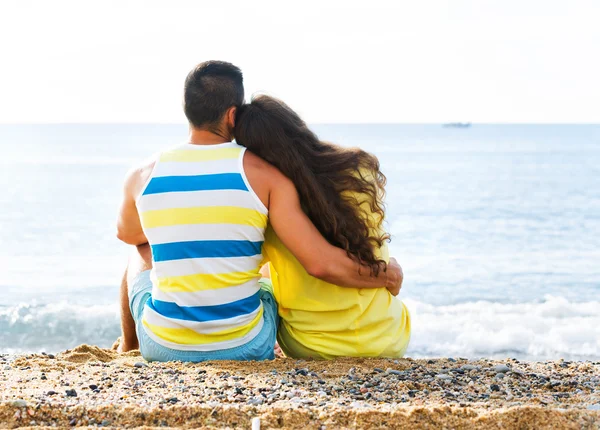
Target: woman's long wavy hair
column 333, row 182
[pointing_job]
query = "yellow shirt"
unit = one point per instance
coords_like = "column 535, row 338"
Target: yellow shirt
column 322, row 320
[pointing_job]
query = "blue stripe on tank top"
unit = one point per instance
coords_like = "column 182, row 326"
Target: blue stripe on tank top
column 205, row 249
column 219, row 181
column 206, row 313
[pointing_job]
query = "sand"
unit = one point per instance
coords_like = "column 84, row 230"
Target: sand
column 89, row 386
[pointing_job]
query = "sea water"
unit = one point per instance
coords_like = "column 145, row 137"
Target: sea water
column 497, row 228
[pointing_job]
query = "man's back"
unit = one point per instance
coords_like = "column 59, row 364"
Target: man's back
column 205, row 226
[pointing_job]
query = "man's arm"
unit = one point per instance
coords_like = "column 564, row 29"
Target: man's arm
column 320, row 259
column 129, row 227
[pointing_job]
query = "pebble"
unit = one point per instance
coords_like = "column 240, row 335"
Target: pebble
column 256, row 401
column 71, row 393
column 495, row 387
column 19, row 403
column 595, row 407
column 501, row 368
column 393, row 372
column 443, row 376
column 140, row 364
column 468, row 367
column 499, row 375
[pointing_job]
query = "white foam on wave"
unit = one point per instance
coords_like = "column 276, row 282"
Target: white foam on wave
column 55, row 327
column 551, row 329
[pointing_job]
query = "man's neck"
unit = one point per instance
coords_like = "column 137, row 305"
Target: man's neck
column 205, row 137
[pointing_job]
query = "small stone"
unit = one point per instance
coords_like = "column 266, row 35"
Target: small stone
column 468, row 367
column 256, row 401
column 595, row 407
column 499, row 375
column 51, row 356
column 495, row 387
column 393, row 372
column 71, row 393
column 322, row 394
column 93, row 387
column 140, row 364
column 43, row 377
column 173, row 400
column 73, row 422
column 19, row 403
column 501, row 368
column 105, row 423
column 451, row 360
column 51, row 393
column 443, row 376
column 7, row 367
column 377, row 369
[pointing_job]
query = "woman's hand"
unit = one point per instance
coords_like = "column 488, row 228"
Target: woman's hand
column 395, row 276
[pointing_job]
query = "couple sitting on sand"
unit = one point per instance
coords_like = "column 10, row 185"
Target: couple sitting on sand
column 275, row 236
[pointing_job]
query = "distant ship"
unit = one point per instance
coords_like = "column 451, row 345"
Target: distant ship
column 458, row 124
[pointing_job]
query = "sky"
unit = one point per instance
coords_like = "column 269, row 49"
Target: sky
column 522, row 61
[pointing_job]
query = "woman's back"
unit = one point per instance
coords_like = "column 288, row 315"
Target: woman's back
column 323, row 320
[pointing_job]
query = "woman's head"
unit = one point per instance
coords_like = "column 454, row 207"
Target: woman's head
column 333, row 182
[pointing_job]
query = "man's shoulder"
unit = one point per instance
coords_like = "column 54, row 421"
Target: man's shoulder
column 254, row 162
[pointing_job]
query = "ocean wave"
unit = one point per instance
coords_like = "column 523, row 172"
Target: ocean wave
column 55, row 327
column 550, row 329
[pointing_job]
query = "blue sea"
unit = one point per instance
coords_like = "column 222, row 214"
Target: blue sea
column 497, row 228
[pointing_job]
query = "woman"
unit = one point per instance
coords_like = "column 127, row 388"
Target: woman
column 341, row 190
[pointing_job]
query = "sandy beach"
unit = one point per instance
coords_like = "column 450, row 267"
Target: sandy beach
column 89, row 386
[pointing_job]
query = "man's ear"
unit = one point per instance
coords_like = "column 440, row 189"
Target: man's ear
column 230, row 116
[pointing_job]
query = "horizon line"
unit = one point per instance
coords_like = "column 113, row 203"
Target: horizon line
column 113, row 123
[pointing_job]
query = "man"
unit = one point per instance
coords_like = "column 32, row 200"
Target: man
column 197, row 214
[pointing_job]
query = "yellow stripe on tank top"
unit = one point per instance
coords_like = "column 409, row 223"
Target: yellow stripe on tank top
column 195, row 155
column 204, row 281
column 186, row 336
column 203, row 215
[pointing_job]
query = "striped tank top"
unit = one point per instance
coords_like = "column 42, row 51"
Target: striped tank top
column 205, row 226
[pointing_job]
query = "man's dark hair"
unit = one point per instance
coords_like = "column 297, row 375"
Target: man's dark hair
column 211, row 88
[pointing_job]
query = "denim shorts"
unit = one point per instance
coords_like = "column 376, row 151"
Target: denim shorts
column 259, row 348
